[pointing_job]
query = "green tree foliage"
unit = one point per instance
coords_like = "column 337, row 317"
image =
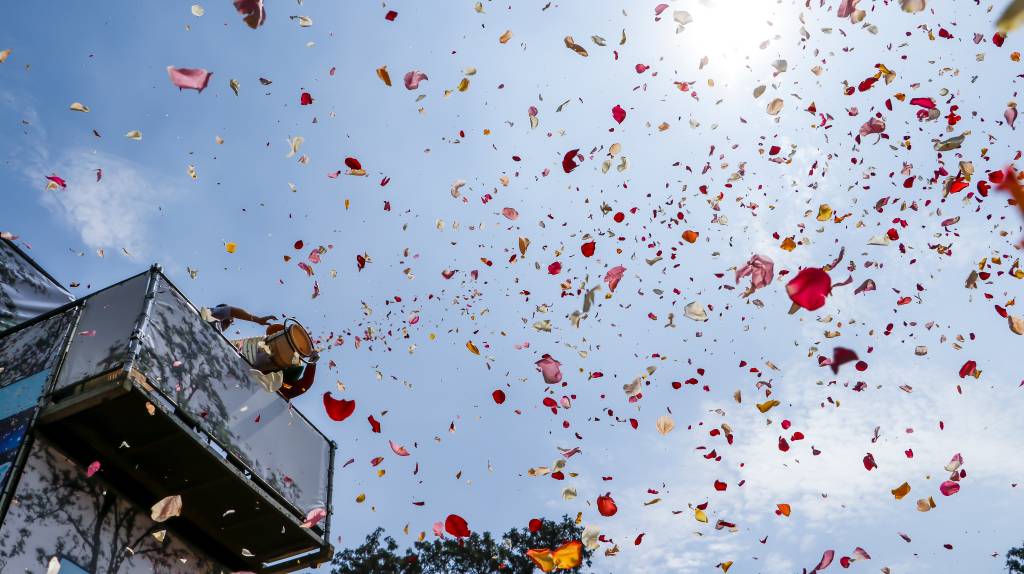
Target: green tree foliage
column 1015, row 560
column 480, row 553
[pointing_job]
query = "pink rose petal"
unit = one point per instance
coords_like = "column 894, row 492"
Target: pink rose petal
column 189, row 78
column 413, row 79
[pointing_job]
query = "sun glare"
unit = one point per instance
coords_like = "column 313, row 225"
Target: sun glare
column 734, row 34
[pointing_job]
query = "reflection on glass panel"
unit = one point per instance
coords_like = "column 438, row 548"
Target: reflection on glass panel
column 190, row 362
column 100, row 340
column 25, row 291
column 32, row 349
column 85, row 524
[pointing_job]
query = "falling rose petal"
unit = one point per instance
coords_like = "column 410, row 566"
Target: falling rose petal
column 869, row 461
column 954, row 463
column 413, row 79
column 398, row 449
column 569, row 160
column 1010, row 115
column 189, row 78
column 305, row 99
column 587, row 249
column 760, row 269
column 872, row 126
column 456, row 526
column 338, row 409
column 510, row 213
column 664, row 424
column 94, row 467
column 900, row 491
column 391, row 15
column 550, row 369
column 554, row 268
column 618, row 114
column 498, row 396
column 867, row 285
column 166, row 508
column 846, row 8
column 57, row 180
column 809, row 288
column 968, row 369
column 949, row 488
column 313, row 517
column 252, row 12
column 542, row 558
column 841, row 356
column 826, row 560
column 613, row 276
column 606, row 505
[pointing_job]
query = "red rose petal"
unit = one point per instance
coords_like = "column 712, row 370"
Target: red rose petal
column 456, row 526
column 618, row 114
column 606, row 505
column 569, row 160
column 338, row 409
column 809, row 288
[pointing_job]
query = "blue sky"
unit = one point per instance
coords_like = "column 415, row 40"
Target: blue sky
column 112, row 58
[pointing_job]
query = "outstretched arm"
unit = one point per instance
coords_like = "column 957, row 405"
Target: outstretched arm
column 239, row 313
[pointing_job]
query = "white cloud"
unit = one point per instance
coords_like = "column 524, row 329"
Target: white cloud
column 110, row 213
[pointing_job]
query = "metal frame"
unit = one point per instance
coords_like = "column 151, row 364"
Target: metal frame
column 49, row 411
column 62, row 308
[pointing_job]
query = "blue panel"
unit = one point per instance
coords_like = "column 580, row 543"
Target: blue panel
column 18, row 403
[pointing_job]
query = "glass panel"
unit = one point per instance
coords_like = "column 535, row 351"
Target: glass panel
column 33, row 349
column 205, row 376
column 25, row 291
column 100, row 341
column 18, row 404
column 87, row 525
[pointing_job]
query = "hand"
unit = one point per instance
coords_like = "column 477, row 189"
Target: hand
column 266, row 319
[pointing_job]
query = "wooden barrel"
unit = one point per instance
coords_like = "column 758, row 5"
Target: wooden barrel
column 288, row 342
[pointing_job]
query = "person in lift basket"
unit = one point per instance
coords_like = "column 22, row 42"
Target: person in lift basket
column 285, row 355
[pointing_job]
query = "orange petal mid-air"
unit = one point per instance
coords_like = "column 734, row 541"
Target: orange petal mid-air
column 565, row 557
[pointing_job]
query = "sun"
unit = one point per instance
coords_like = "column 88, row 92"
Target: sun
column 735, row 34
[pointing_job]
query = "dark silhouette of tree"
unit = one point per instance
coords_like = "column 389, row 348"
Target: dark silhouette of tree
column 373, row 557
column 1015, row 560
column 480, row 553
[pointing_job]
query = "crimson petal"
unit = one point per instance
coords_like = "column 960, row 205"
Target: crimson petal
column 338, row 409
